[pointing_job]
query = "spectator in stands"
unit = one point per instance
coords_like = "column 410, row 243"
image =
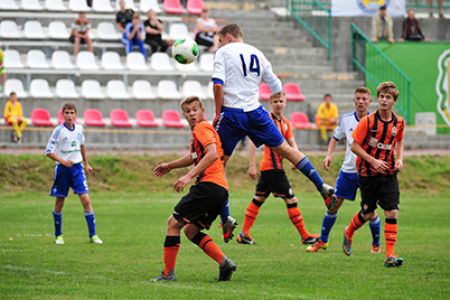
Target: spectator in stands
column 80, row 33
column 123, row 16
column 153, row 33
column 327, row 117
column 411, row 30
column 206, row 30
column 2, row 72
column 430, row 5
column 134, row 36
column 382, row 26
column 13, row 115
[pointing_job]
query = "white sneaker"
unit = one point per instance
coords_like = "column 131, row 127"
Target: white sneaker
column 96, row 240
column 59, row 240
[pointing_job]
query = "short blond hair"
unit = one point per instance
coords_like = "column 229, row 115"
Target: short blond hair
column 189, row 100
column 388, row 87
column 277, row 95
column 362, row 90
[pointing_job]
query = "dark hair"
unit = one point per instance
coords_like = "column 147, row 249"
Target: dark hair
column 189, row 100
column 12, row 93
column 362, row 90
column 388, row 87
column 233, row 29
column 69, row 106
column 327, row 95
column 383, row 7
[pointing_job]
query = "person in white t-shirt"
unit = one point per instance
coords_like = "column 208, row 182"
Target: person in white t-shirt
column 206, row 31
column 66, row 148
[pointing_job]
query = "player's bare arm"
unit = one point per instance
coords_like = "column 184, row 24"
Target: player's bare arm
column 65, row 163
column 218, row 100
column 252, row 171
column 399, row 155
column 86, row 164
column 164, row 168
column 329, row 158
column 379, row 165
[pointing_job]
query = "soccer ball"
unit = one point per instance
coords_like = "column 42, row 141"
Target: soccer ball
column 185, row 51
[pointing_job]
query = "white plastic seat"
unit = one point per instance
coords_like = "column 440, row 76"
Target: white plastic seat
column 65, row 88
column 136, row 62
column 8, row 5
column 61, row 61
column 86, row 61
column 36, row 60
column 102, row 6
column 111, row 61
column 11, row 59
column 207, row 62
column 78, row 5
column 146, row 5
column 15, row 85
column 167, row 89
column 142, row 89
column 192, row 88
column 55, row 5
column 31, row 5
column 9, row 30
column 115, row 89
column 39, row 88
column 192, row 67
column 161, row 62
column 33, row 30
column 210, row 91
column 178, row 31
column 107, row 31
column 128, row 4
column 91, row 89
column 57, row 30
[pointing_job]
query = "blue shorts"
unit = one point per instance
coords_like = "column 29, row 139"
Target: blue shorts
column 66, row 178
column 346, row 185
column 234, row 124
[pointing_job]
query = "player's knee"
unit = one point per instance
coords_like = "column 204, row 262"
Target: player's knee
column 291, row 202
column 369, row 215
column 391, row 214
column 258, row 200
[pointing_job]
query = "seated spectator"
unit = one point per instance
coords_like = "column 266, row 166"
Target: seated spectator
column 430, row 5
column 206, row 30
column 80, row 33
column 153, row 33
column 382, row 26
column 134, row 36
column 14, row 116
column 411, row 30
column 327, row 117
column 123, row 16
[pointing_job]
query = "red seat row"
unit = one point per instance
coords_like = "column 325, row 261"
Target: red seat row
column 174, row 7
column 292, row 90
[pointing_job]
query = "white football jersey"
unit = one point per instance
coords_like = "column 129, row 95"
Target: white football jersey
column 66, row 143
column 241, row 67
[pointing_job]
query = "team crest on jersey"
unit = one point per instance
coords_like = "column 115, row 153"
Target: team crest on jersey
column 74, row 144
column 443, row 86
column 372, row 6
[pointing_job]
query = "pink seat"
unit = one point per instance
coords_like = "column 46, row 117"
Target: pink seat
column 171, row 119
column 93, row 117
column 173, row 7
column 264, row 91
column 300, row 121
column 119, row 118
column 41, row 117
column 293, row 92
column 194, row 7
column 146, row 118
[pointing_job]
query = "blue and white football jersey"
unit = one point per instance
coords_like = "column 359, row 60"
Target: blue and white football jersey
column 66, row 143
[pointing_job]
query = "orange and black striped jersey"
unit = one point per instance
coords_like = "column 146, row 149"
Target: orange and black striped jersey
column 378, row 138
column 271, row 160
column 204, row 134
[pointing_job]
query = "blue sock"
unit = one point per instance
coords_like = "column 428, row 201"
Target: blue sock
column 375, row 229
column 57, row 220
column 306, row 167
column 90, row 220
column 327, row 224
column 225, row 212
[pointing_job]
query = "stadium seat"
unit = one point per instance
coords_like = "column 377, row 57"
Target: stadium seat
column 161, row 62
column 61, row 61
column 207, row 62
column 65, row 89
column 36, row 60
column 146, row 5
column 11, row 59
column 111, row 61
column 9, row 30
column 102, row 6
column 172, row 7
column 33, row 30
column 8, row 5
column 192, row 88
column 41, row 117
column 167, row 89
column 119, row 118
column 171, row 119
column 192, row 67
column 293, row 92
column 91, row 89
column 55, row 5
column 178, row 31
column 57, row 30
column 210, row 92
column 145, row 118
column 86, row 61
column 128, row 4
column 31, row 5
column 93, row 117
column 116, row 89
column 142, row 89
column 136, row 62
column 15, row 85
column 39, row 88
column 264, row 91
column 300, row 121
column 78, row 5
column 194, row 7
column 107, row 31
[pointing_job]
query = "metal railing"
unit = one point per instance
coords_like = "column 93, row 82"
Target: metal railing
column 376, row 67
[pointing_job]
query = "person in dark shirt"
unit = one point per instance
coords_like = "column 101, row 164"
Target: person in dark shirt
column 123, row 16
column 153, row 33
column 411, row 30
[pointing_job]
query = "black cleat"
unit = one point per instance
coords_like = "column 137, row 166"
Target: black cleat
column 226, row 270
column 245, row 239
column 162, row 277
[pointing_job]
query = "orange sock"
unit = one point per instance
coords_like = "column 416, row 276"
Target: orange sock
column 355, row 224
column 297, row 220
column 390, row 235
column 171, row 246
column 208, row 246
column 250, row 216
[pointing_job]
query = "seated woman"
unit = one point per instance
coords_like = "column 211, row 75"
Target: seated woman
column 206, row 30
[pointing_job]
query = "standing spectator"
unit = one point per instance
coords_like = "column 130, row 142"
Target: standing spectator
column 327, row 117
column 123, row 16
column 2, row 71
column 134, row 36
column 206, row 30
column 382, row 26
column 80, row 33
column 411, row 30
column 13, row 115
column 430, row 5
column 153, row 31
